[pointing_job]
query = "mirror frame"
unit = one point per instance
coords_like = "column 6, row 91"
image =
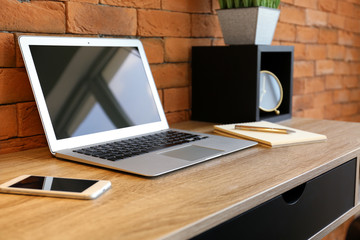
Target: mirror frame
column 281, row 93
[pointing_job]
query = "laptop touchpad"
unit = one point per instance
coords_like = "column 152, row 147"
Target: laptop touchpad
column 192, row 153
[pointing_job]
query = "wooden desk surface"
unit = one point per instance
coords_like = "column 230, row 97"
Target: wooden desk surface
column 177, row 205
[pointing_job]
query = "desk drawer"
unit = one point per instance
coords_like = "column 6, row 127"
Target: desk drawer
column 296, row 214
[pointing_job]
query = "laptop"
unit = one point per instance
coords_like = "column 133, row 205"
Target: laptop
column 99, row 105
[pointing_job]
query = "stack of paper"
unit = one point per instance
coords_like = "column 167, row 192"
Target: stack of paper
column 270, row 139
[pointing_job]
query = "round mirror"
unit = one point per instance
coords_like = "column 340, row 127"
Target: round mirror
column 270, row 92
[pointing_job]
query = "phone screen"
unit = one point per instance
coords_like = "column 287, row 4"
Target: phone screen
column 54, row 184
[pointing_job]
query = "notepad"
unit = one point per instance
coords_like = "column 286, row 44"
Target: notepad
column 270, row 139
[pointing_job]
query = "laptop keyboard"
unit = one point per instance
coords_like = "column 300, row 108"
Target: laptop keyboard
column 135, row 146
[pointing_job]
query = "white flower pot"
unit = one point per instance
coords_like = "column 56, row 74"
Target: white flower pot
column 254, row 25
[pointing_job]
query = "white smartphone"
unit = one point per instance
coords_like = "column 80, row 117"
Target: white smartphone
column 56, row 187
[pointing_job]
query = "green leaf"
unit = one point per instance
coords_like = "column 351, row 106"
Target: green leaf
column 222, row 4
column 256, row 3
column 229, row 3
column 247, row 3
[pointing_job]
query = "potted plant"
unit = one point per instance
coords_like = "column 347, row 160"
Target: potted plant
column 248, row 21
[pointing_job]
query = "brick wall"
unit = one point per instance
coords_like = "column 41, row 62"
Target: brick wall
column 326, row 36
column 325, row 33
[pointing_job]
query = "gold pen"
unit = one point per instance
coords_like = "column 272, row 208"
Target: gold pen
column 264, row 129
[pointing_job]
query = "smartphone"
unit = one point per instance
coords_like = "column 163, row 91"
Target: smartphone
column 56, row 187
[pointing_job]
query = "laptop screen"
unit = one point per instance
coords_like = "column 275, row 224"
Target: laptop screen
column 93, row 89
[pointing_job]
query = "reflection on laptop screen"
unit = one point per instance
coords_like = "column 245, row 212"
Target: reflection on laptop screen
column 94, row 89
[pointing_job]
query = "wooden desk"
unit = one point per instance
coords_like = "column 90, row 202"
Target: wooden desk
column 179, row 205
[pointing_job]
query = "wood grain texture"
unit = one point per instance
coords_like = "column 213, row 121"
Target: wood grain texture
column 178, row 205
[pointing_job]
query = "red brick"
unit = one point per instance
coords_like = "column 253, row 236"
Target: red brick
column 322, row 99
column 302, row 102
column 287, row 1
column 324, row 67
column 342, row 68
column 315, row 113
column 315, row 17
column 285, row 32
column 85, row 1
column 171, row 75
column 357, row 40
column 303, row 69
column 328, row 36
column 29, row 123
column 333, row 82
column 14, row 86
column 181, row 116
column 7, row 50
column 316, row 84
column 218, row 42
column 352, row 25
column 307, row 34
column 349, row 109
column 154, row 49
column 357, row 9
column 42, row 16
column 176, row 99
column 354, row 68
column 327, row 5
column 299, row 86
column 299, row 50
column 201, row 42
column 316, row 52
column 353, row 118
column 346, row 9
column 277, row 43
column 306, row 3
column 335, row 52
column 133, row 3
column 353, row 1
column 19, row 62
column 215, row 5
column 352, row 54
column 336, row 21
column 8, row 126
column 352, row 81
column 203, row 25
column 355, row 95
column 190, row 6
column 341, row 96
column 179, row 49
column 160, row 23
column 298, row 114
column 292, row 15
column 83, row 18
column 332, row 111
column 21, row 144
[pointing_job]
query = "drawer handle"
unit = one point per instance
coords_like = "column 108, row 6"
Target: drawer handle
column 292, row 196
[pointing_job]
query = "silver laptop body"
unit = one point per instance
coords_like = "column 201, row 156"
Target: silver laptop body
column 92, row 91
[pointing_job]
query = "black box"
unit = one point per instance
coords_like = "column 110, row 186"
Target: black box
column 225, row 82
